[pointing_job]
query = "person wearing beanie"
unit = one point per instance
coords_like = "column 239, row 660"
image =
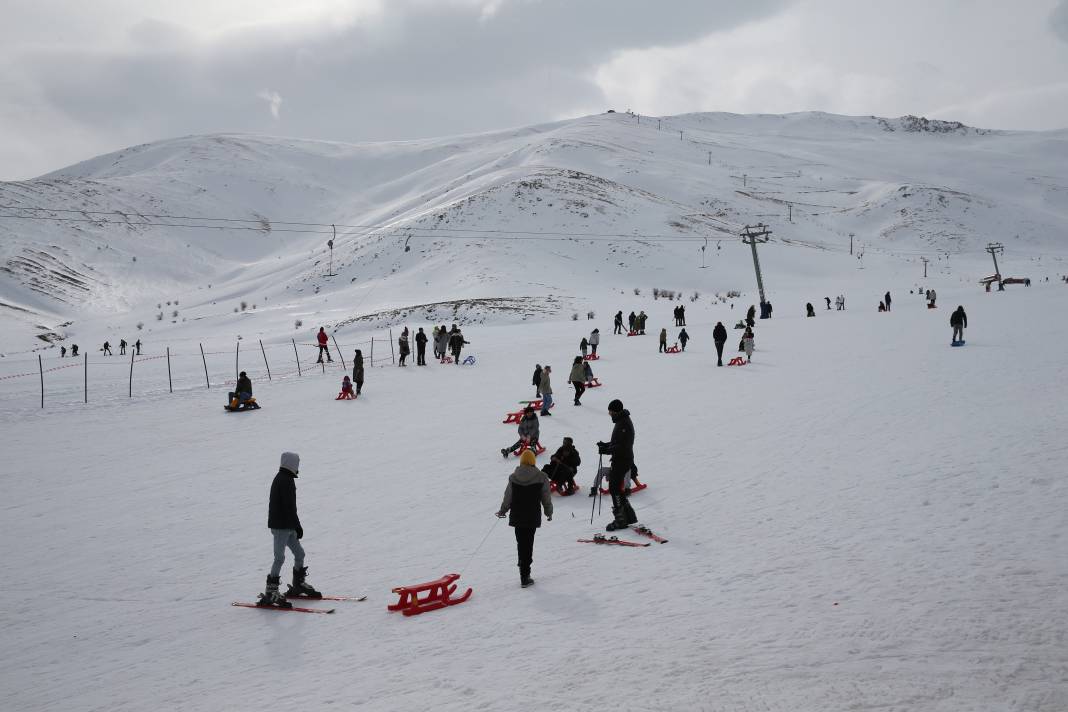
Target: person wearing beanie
column 242, row 391
column 286, row 530
column 357, row 370
column 526, row 495
column 578, row 378
column 563, row 467
column 621, row 448
column 529, row 432
column 420, row 348
column 719, row 335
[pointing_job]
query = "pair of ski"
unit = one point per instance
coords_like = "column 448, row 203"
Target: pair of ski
column 300, row 609
column 614, row 540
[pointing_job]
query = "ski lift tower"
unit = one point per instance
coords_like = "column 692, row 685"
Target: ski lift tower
column 751, row 236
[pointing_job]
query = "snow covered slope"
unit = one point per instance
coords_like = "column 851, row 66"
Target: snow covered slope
column 199, row 219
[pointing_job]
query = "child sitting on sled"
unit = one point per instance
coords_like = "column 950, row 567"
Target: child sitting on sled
column 346, row 390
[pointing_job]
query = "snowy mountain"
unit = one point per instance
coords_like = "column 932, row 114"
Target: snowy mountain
column 210, row 222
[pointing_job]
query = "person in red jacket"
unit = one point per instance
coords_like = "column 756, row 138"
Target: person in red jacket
column 323, row 340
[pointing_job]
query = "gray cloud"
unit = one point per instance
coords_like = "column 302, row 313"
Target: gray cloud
column 414, row 70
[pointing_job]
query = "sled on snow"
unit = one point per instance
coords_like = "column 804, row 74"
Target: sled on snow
column 236, row 406
column 346, row 395
column 673, row 349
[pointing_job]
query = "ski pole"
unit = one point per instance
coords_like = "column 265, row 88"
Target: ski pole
column 596, row 486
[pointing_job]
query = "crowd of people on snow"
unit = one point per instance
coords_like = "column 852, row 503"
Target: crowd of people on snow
column 104, row 349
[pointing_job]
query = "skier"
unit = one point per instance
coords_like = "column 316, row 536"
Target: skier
column 683, row 338
column 73, row 350
column 747, row 344
column 242, row 391
column 456, row 344
column 632, row 320
column 357, row 370
column 578, row 378
column 886, row 301
column 595, row 339
column 546, row 390
column 62, row 351
column 285, row 528
column 442, row 342
column 719, row 335
column 529, row 432
column 563, row 466
column 528, row 487
column 618, row 322
column 809, row 310
column 420, row 348
column 122, row 347
column 828, row 303
column 959, row 321
column 536, row 381
column 621, row 448
column 323, row 339
column 663, row 340
column 106, row 348
column 584, row 347
column 137, row 347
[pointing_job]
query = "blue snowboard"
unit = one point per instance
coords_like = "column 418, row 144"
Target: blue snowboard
column 956, row 343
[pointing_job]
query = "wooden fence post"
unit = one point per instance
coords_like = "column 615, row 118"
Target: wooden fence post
column 265, row 360
column 86, row 376
column 296, row 356
column 40, row 367
column 202, row 358
column 339, row 353
column 170, row 381
column 131, row 372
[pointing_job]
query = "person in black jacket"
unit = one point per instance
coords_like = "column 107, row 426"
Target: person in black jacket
column 959, row 321
column 563, row 467
column 285, row 527
column 525, row 496
column 456, row 344
column 618, row 323
column 621, row 448
column 537, row 380
column 242, row 392
column 357, row 370
column 420, row 348
column 719, row 335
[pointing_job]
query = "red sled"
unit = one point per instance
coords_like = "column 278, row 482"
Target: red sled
column 446, row 359
column 513, row 417
column 535, row 404
column 593, row 383
column 538, row 448
column 438, row 595
column 673, row 350
column 346, row 395
column 736, row 361
column 633, row 333
column 571, row 488
column 635, row 486
column 591, row 357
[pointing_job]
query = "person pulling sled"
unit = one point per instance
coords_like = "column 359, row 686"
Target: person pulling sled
column 526, row 495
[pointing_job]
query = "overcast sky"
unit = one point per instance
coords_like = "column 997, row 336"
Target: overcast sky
column 79, row 78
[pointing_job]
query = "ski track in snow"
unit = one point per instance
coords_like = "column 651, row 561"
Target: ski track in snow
column 862, row 519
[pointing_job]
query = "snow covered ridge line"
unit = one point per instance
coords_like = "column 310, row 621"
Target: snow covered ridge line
column 463, row 311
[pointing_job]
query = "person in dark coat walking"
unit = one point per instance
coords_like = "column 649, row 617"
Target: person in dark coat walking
column 563, row 466
column 683, row 338
column 618, row 323
column 809, row 309
column 286, row 531
column 137, row 347
column 420, row 348
column 122, row 347
column 750, row 316
column 959, row 321
column 536, row 381
column 441, row 342
column 357, row 371
column 578, row 378
column 632, row 319
column 106, row 348
column 456, row 344
column 73, row 350
column 526, row 495
column 719, row 335
column 584, row 347
column 663, row 341
column 682, row 315
column 621, row 448
column 546, row 390
column 886, row 301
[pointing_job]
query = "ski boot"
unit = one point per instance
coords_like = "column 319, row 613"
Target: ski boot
column 524, row 577
column 271, row 596
column 301, row 588
column 619, row 520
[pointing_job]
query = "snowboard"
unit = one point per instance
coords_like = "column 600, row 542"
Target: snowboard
column 957, row 343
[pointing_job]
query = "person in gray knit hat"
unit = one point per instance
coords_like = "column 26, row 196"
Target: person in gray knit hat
column 286, row 530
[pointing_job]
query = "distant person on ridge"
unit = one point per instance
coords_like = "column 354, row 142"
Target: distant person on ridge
column 122, row 347
column 73, row 350
column 137, row 347
column 106, row 348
